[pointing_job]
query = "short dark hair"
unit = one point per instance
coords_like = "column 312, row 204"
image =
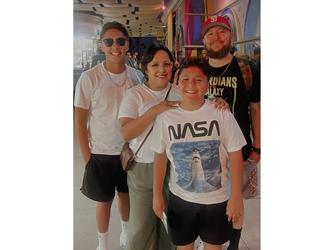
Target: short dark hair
column 114, row 25
column 193, row 62
column 150, row 53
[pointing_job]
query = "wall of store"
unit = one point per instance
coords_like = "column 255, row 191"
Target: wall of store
column 190, row 15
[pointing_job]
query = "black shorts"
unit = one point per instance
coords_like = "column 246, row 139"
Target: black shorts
column 187, row 221
column 103, row 173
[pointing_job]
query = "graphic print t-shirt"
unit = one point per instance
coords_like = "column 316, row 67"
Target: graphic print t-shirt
column 196, row 143
column 230, row 86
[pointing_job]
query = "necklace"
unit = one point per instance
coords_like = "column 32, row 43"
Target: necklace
column 210, row 95
column 115, row 83
column 225, row 70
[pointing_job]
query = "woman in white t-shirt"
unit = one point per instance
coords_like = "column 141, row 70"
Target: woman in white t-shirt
column 137, row 113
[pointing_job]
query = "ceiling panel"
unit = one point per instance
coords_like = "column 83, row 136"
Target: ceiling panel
column 134, row 14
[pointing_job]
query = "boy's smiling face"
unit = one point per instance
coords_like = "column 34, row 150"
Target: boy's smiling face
column 193, row 83
column 116, row 52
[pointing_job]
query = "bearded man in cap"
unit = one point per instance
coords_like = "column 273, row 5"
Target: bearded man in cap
column 239, row 88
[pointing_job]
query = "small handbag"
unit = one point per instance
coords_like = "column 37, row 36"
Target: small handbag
column 127, row 156
column 250, row 179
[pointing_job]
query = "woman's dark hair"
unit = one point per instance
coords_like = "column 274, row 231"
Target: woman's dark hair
column 150, row 53
column 114, row 25
column 193, row 62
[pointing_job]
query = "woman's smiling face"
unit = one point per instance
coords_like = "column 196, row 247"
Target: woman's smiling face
column 159, row 70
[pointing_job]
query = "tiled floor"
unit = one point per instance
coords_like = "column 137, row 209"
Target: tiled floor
column 85, row 226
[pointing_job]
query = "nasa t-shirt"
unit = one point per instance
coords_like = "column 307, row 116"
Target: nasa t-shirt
column 196, row 143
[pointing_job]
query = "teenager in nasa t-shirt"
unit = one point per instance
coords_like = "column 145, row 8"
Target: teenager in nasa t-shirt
column 196, row 143
column 199, row 140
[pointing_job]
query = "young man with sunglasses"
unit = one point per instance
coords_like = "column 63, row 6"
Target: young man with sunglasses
column 98, row 94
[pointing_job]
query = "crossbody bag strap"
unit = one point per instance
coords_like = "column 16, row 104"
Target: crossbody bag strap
column 151, row 129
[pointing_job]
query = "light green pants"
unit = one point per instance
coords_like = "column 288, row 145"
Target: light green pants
column 145, row 231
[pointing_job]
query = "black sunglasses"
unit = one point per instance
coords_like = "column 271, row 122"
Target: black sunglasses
column 108, row 42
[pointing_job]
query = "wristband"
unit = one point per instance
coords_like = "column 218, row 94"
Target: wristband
column 257, row 150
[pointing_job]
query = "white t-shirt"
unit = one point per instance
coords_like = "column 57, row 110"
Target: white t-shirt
column 136, row 102
column 101, row 92
column 196, row 143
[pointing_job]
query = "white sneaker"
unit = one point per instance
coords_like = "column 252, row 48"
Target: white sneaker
column 103, row 243
column 198, row 244
column 122, row 239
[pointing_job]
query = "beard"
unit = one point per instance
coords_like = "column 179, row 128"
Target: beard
column 221, row 53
